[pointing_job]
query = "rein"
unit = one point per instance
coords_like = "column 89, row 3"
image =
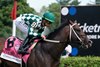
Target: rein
column 54, row 41
column 71, row 29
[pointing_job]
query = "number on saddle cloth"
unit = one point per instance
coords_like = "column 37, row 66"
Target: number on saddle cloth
column 12, row 43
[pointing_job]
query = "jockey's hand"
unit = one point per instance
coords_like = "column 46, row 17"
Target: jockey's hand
column 43, row 36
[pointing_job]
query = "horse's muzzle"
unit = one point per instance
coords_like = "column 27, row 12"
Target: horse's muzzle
column 89, row 44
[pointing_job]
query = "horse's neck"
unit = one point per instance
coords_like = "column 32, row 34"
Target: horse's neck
column 57, row 48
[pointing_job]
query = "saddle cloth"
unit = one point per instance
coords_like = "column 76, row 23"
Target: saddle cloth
column 10, row 49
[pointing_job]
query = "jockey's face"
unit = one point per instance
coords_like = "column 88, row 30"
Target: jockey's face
column 45, row 23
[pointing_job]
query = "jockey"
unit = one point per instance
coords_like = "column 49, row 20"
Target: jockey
column 34, row 26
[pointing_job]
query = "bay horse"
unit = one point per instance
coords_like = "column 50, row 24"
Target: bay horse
column 47, row 54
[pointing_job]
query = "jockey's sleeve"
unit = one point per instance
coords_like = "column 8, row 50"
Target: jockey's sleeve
column 34, row 32
column 46, row 31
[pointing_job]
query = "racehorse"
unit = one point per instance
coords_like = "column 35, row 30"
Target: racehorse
column 47, row 52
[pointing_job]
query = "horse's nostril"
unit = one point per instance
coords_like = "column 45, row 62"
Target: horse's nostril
column 90, row 41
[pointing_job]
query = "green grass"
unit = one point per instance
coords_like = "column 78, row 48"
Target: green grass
column 88, row 61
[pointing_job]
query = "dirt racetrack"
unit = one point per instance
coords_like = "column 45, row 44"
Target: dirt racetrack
column 2, row 40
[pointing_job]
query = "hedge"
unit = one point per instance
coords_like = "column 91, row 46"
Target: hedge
column 87, row 61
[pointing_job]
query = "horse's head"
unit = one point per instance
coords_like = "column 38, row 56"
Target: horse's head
column 77, row 34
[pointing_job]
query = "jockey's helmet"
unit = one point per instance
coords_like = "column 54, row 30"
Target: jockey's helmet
column 49, row 16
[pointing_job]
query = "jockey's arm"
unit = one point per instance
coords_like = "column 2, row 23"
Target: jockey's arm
column 32, row 32
column 45, row 33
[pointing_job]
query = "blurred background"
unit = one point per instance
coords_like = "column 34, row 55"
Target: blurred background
column 39, row 7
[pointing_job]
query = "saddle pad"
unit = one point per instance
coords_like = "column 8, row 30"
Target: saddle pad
column 10, row 49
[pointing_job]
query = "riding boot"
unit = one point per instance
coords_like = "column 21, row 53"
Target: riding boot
column 24, row 47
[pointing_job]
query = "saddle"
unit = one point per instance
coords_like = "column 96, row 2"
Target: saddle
column 28, row 42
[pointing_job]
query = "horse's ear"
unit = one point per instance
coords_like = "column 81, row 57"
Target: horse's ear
column 70, row 22
column 75, row 21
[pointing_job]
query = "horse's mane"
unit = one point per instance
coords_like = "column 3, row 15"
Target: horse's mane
column 52, row 34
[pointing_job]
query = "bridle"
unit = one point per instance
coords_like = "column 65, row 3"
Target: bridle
column 70, row 33
column 69, row 39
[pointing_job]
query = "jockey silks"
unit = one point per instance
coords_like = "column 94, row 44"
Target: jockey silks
column 31, row 24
